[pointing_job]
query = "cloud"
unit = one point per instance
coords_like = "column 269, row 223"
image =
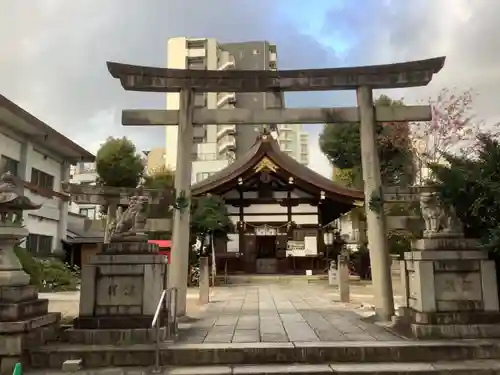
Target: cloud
column 53, row 52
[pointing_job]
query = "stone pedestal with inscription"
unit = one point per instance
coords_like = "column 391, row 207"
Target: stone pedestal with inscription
column 121, row 287
column 449, row 290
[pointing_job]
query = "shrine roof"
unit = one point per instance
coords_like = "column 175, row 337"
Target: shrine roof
column 267, row 147
column 19, row 120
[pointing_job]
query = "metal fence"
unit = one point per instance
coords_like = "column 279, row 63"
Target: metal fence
column 166, row 313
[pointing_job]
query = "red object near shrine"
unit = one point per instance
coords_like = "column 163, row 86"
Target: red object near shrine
column 165, row 247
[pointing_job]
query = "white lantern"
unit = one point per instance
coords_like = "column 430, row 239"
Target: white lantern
column 328, row 238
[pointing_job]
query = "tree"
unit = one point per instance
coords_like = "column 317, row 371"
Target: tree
column 341, row 144
column 118, row 163
column 470, row 183
column 451, row 129
column 349, row 177
column 209, row 218
column 160, row 178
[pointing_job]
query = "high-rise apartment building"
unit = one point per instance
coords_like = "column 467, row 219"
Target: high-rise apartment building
column 216, row 146
column 84, row 174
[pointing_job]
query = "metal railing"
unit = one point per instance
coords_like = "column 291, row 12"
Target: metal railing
column 167, row 304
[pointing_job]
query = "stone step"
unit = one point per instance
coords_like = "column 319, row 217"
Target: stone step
column 53, row 356
column 485, row 367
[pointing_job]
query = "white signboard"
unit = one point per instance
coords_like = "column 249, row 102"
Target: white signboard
column 233, row 243
column 301, row 248
column 295, row 245
column 311, row 245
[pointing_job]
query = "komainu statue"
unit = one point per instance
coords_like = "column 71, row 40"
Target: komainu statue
column 440, row 219
column 132, row 221
column 12, row 200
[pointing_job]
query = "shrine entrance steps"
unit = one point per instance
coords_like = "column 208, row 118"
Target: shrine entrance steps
column 384, row 357
column 276, row 329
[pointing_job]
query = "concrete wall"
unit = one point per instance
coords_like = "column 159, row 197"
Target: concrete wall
column 84, row 173
column 177, row 58
column 251, row 56
column 51, row 218
column 88, row 250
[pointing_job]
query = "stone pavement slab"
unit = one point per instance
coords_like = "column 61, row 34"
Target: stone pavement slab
column 278, row 313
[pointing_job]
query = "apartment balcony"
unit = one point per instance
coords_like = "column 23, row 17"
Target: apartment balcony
column 224, row 98
column 204, row 157
column 196, row 52
column 226, row 144
column 223, row 130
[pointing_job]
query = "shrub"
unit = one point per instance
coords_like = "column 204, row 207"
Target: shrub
column 49, row 275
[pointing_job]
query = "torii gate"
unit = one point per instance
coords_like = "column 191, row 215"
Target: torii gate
column 361, row 79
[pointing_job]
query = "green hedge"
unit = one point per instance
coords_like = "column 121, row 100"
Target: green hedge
column 49, row 275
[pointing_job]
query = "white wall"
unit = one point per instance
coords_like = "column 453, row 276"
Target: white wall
column 48, row 165
column 51, row 218
column 10, row 147
column 260, row 212
column 88, row 176
column 37, row 223
column 177, row 54
column 207, row 167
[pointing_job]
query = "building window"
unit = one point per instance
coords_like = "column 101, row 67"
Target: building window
column 303, row 149
column 9, row 165
column 196, row 44
column 196, row 63
column 39, row 245
column 203, row 175
column 42, row 179
column 89, row 212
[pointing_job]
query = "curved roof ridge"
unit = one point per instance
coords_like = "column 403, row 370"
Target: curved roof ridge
column 294, row 164
column 266, row 145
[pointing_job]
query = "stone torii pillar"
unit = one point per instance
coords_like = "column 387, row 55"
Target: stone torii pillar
column 377, row 240
column 179, row 258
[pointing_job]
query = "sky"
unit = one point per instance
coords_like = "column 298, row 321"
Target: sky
column 53, row 52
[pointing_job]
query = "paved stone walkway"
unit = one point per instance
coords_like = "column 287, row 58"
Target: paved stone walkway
column 279, row 313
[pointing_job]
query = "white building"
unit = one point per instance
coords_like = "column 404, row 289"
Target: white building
column 41, row 157
column 216, row 146
column 84, row 174
column 294, row 142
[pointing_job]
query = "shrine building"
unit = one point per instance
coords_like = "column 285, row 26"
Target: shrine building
column 281, row 211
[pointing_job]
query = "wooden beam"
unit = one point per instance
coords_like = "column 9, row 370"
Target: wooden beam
column 243, row 116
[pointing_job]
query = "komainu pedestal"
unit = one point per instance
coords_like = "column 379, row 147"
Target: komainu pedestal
column 121, row 287
column 449, row 284
column 24, row 319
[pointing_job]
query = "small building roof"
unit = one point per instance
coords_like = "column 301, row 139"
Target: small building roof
column 75, row 235
column 303, row 176
column 22, row 121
